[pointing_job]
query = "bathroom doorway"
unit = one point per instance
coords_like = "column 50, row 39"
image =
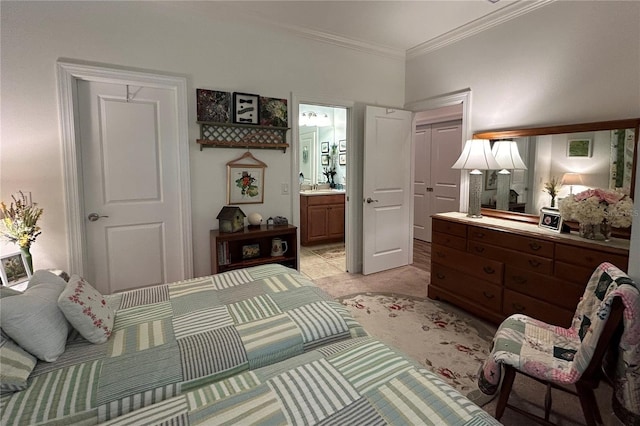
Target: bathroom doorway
column 323, row 146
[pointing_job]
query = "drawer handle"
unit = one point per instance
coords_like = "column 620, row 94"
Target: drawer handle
column 519, row 279
column 488, row 295
column 440, row 276
column 488, row 270
column 479, row 235
column 535, row 246
column 534, row 263
column 478, row 249
column 518, row 308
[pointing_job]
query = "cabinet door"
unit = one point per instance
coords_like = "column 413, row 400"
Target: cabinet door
column 335, row 217
column 317, row 223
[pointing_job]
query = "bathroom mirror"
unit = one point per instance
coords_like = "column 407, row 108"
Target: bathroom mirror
column 604, row 154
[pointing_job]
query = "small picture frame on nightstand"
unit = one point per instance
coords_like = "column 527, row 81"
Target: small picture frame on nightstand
column 250, row 251
column 550, row 219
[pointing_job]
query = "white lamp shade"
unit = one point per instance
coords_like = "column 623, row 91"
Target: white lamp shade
column 507, row 155
column 571, row 179
column 476, row 155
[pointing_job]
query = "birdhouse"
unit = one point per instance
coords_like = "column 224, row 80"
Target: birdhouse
column 513, row 196
column 231, row 219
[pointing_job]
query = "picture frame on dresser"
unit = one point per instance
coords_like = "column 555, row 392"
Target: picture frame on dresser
column 14, row 269
column 550, row 219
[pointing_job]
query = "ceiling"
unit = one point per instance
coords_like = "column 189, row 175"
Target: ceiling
column 393, row 27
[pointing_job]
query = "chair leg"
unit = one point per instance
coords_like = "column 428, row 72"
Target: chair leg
column 589, row 405
column 505, row 390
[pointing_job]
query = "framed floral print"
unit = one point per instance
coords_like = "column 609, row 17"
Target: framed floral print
column 14, row 269
column 245, row 180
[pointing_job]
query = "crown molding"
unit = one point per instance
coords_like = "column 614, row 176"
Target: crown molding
column 489, row 21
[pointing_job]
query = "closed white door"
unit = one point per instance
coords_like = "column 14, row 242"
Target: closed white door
column 308, row 143
column 386, row 189
column 436, row 184
column 130, row 185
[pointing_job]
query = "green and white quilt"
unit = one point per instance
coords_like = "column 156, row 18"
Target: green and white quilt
column 171, row 339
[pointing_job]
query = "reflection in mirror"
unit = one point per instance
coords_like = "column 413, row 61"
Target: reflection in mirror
column 602, row 155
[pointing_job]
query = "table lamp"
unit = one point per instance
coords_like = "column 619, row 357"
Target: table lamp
column 571, row 179
column 508, row 157
column 476, row 156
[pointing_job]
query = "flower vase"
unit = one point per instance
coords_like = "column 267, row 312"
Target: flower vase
column 588, row 231
column 27, row 256
column 553, row 202
column 605, row 230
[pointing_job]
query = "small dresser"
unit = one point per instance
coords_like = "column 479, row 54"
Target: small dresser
column 496, row 267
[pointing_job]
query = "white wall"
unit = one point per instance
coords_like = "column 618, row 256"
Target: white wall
column 212, row 50
column 567, row 62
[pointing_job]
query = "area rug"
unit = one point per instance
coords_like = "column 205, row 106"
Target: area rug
column 443, row 339
column 330, row 253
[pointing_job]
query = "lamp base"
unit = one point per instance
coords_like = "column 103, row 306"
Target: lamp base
column 475, row 194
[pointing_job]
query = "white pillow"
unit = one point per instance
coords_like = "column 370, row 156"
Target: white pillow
column 43, row 276
column 17, row 364
column 34, row 321
column 87, row 310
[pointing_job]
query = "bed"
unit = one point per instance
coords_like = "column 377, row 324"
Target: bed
column 261, row 345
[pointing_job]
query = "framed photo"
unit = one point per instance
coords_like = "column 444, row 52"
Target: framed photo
column 213, row 106
column 550, row 219
column 245, row 182
column 14, row 269
column 342, row 145
column 324, row 147
column 342, row 159
column 490, row 180
column 246, row 108
column 250, row 251
column 273, row 112
column 579, row 148
column 324, row 160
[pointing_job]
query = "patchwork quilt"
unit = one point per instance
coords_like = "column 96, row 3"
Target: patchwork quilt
column 357, row 381
column 171, row 339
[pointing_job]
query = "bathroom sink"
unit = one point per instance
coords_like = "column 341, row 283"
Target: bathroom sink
column 322, row 191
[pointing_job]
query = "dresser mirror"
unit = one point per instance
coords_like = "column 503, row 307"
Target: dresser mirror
column 603, row 154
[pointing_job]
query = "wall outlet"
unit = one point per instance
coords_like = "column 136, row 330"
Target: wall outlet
column 284, row 188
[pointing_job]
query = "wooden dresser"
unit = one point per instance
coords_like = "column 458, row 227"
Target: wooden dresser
column 496, row 267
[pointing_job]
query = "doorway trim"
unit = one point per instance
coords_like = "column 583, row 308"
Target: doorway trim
column 350, row 221
column 454, row 98
column 67, row 76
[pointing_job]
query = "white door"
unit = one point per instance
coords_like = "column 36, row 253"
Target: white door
column 130, row 185
column 437, row 146
column 308, row 142
column 386, row 189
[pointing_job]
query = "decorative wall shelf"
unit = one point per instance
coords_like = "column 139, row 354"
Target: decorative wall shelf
column 230, row 135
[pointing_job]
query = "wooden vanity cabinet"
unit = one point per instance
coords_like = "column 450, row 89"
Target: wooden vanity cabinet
column 495, row 268
column 321, row 219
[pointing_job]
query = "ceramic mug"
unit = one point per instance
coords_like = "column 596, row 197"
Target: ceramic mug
column 278, row 247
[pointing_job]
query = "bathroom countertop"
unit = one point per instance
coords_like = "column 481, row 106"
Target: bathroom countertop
column 313, row 193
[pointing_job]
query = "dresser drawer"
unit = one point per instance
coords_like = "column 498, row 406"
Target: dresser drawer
column 588, row 258
column 452, row 228
column 449, row 240
column 508, row 240
column 543, row 287
column 518, row 303
column 479, row 291
column 531, row 262
column 482, row 268
column 321, row 200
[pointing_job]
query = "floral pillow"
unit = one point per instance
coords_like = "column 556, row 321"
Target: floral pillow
column 87, row 310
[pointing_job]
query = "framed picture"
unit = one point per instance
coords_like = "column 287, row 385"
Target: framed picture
column 342, row 159
column 324, row 160
column 273, row 112
column 213, row 105
column 245, row 182
column 14, row 269
column 579, row 148
column 342, row 145
column 324, row 147
column 550, row 219
column 250, row 251
column 246, row 108
column 490, row 180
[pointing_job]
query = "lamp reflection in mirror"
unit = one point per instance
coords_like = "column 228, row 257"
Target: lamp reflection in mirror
column 508, row 157
column 476, row 156
column 571, row 179
column 310, row 118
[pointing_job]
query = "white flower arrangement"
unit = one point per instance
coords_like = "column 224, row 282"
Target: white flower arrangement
column 594, row 206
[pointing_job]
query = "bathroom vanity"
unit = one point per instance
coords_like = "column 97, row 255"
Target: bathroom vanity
column 321, row 216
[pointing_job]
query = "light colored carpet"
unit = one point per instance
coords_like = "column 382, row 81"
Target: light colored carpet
column 526, row 393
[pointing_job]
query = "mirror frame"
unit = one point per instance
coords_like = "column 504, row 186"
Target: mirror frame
column 555, row 130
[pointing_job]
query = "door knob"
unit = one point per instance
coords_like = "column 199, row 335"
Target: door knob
column 94, row 216
column 371, row 200
column 429, row 189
